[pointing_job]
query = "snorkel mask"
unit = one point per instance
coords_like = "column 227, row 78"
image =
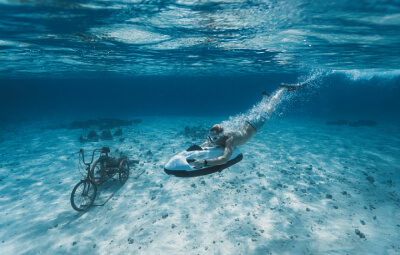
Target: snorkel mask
column 213, row 137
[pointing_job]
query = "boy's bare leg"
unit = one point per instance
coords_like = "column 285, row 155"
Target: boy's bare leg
column 274, row 101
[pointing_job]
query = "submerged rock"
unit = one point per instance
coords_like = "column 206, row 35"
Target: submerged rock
column 106, row 135
column 91, row 137
column 118, row 132
column 357, row 123
column 194, row 132
column 100, row 123
column 371, row 179
column 337, row 123
column 133, row 161
column 113, row 123
column 83, row 124
column 363, row 123
column 260, row 174
column 359, row 233
column 92, row 134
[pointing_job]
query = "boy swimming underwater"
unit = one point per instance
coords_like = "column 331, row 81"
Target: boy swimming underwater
column 229, row 140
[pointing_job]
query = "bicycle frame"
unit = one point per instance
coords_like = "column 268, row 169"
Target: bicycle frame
column 101, row 150
column 84, row 192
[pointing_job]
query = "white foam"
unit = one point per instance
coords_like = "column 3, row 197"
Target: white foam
column 12, row 43
column 130, row 34
column 368, row 74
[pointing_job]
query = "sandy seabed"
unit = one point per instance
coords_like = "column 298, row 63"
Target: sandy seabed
column 303, row 187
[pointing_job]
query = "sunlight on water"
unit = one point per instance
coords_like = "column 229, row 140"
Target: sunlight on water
column 369, row 74
column 229, row 37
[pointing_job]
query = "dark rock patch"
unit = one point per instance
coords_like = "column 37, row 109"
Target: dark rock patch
column 371, row 179
column 92, row 134
column 337, row 123
column 260, row 174
column 102, row 124
column 194, row 132
column 362, row 123
column 357, row 123
column 91, row 137
column 118, row 132
column 83, row 124
column 133, row 161
column 359, row 233
column 106, row 135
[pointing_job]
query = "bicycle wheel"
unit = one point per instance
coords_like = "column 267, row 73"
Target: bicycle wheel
column 123, row 171
column 98, row 172
column 83, row 195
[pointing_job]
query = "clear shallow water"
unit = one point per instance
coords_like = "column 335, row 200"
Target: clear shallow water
column 303, row 186
column 146, row 38
column 275, row 200
column 329, row 97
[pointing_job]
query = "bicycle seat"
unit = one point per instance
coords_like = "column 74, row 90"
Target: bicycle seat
column 105, row 149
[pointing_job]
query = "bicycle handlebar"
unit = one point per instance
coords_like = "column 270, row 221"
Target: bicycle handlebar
column 83, row 156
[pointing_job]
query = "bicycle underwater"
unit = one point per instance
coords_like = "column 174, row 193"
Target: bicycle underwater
column 104, row 168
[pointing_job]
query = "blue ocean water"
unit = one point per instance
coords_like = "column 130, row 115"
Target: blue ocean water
column 332, row 97
column 86, row 58
column 321, row 178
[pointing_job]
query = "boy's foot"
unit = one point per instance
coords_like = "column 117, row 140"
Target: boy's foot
column 294, row 87
column 265, row 94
